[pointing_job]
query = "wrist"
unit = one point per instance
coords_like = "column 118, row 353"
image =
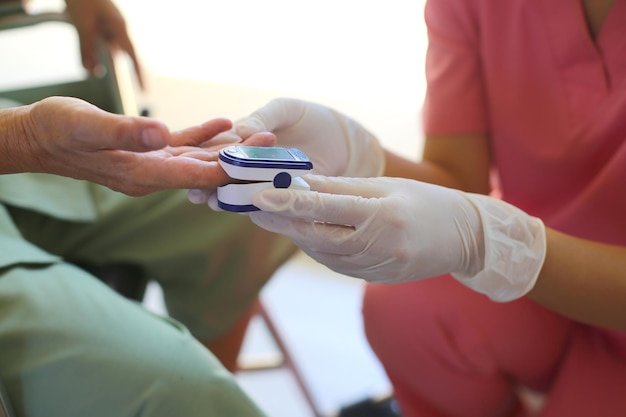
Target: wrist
column 514, row 250
column 15, row 147
column 470, row 229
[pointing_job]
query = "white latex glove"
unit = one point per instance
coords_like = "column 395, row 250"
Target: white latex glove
column 336, row 144
column 394, row 230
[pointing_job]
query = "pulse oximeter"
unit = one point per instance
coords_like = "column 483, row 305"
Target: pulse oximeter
column 259, row 168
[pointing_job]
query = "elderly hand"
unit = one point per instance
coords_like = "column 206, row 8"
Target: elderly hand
column 97, row 20
column 394, row 230
column 72, row 138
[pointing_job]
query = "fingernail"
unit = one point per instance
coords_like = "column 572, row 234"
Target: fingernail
column 153, row 138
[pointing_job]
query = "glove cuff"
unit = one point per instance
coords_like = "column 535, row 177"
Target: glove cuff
column 515, row 249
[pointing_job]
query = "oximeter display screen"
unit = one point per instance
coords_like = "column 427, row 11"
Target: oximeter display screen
column 258, row 152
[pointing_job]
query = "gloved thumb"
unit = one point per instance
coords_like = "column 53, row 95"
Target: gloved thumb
column 249, row 126
column 277, row 114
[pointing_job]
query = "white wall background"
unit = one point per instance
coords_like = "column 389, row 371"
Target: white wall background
column 363, row 58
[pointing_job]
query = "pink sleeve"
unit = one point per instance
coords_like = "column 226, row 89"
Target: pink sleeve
column 455, row 97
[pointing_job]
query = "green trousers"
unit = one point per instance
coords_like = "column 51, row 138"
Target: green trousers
column 70, row 346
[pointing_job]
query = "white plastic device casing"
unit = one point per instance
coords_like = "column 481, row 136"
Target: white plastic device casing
column 266, row 172
column 238, row 197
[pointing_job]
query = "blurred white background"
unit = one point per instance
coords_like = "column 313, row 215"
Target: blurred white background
column 363, row 58
column 209, row 58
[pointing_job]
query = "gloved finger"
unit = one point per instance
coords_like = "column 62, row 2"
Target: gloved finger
column 198, row 196
column 353, row 265
column 274, row 115
column 311, row 206
column 363, row 187
column 212, row 202
column 323, row 222
column 353, row 210
column 311, row 235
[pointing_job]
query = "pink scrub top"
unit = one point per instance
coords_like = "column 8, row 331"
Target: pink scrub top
column 551, row 98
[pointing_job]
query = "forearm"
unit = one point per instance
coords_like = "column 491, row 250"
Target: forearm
column 583, row 280
column 462, row 162
column 15, row 152
column 425, row 171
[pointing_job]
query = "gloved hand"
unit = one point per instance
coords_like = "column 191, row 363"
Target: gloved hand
column 336, row 144
column 394, row 230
